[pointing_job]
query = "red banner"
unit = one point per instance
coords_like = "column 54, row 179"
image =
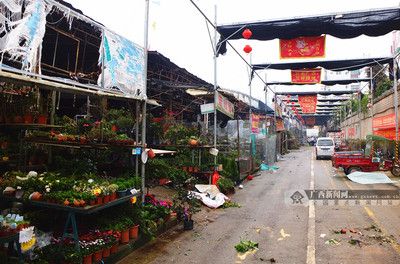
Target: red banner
column 386, row 133
column 308, row 103
column 302, row 47
column 384, row 122
column 310, row 76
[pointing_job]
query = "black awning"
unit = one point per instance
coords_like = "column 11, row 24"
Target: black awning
column 328, row 82
column 334, row 65
column 317, row 92
column 342, row 25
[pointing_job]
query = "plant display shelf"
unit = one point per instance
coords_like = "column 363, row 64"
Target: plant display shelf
column 72, row 211
column 25, row 125
column 77, row 145
column 11, row 239
column 190, row 146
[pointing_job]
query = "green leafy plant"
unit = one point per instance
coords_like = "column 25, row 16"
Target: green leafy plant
column 226, row 185
column 246, row 245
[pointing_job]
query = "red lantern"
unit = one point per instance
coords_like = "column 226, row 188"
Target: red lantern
column 247, row 49
column 292, row 103
column 247, row 33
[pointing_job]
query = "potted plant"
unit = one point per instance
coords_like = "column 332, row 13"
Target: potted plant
column 185, row 205
column 226, row 185
column 122, row 190
column 113, row 189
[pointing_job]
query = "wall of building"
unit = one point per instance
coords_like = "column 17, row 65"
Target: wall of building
column 360, row 125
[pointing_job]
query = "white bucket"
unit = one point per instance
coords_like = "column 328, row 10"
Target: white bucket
column 214, row 151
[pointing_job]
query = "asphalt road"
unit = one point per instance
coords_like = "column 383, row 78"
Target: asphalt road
column 286, row 233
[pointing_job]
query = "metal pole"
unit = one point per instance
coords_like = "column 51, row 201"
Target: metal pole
column 137, row 117
column 250, row 121
column 146, row 39
column 102, row 59
column 359, row 111
column 371, row 87
column 215, row 86
column 396, row 103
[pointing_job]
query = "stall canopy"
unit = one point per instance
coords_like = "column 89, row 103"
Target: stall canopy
column 327, row 82
column 334, row 65
column 341, row 25
column 337, row 92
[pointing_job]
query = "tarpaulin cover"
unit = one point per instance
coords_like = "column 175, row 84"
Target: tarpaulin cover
column 21, row 33
column 334, row 65
column 123, row 65
column 369, row 177
column 341, row 25
column 328, row 82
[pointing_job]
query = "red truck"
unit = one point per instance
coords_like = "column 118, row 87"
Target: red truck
column 365, row 160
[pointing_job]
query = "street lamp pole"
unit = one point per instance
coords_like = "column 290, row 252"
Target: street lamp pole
column 146, row 44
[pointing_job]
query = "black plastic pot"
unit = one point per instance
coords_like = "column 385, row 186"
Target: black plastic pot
column 121, row 193
column 188, row 224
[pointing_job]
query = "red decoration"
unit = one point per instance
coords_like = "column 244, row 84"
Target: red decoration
column 308, row 103
column 247, row 33
column 247, row 49
column 309, row 76
column 302, row 47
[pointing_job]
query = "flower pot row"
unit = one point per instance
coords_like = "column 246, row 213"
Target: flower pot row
column 131, row 233
column 126, row 236
column 103, row 199
column 190, row 168
column 100, row 255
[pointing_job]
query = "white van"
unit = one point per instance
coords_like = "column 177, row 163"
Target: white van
column 325, row 147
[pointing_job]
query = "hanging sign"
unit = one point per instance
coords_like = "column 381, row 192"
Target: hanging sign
column 280, row 126
column 255, row 121
column 225, row 106
column 207, row 108
column 308, row 103
column 309, row 76
column 302, row 47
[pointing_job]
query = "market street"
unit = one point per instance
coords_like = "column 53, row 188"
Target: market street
column 286, row 233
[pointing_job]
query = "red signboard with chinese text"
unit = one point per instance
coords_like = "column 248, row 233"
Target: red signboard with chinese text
column 308, row 103
column 302, row 47
column 351, row 132
column 310, row 76
column 225, row 106
column 384, row 122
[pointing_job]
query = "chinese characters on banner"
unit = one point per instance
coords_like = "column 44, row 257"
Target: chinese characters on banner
column 302, row 47
column 309, row 76
column 255, row 121
column 384, row 126
column 351, row 132
column 308, row 103
column 225, row 106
